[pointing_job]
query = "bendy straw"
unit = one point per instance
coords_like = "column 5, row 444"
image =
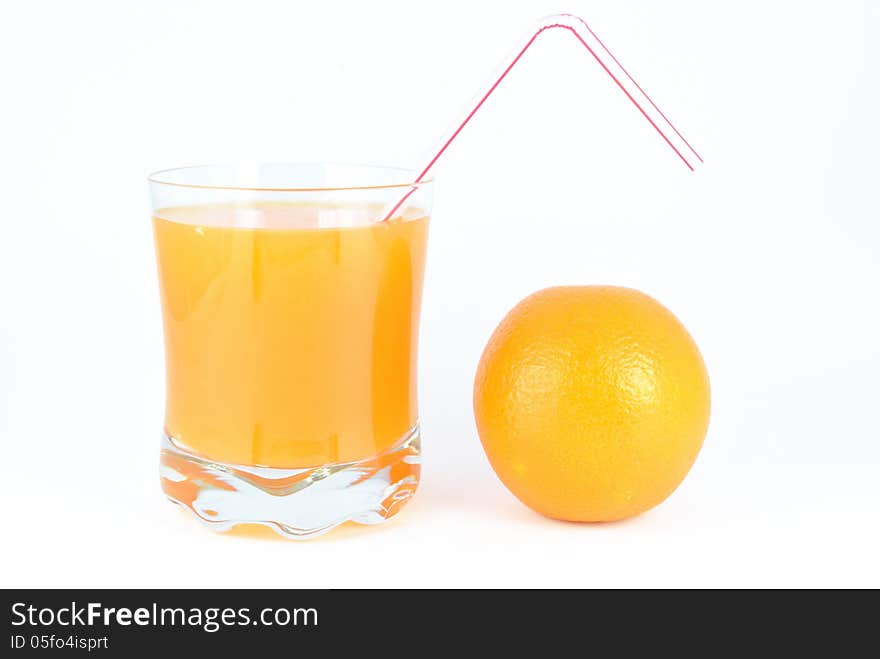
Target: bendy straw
column 609, row 63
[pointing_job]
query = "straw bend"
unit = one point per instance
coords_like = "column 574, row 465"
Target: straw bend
column 609, row 63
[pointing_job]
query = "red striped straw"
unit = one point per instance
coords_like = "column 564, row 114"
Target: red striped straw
column 611, row 65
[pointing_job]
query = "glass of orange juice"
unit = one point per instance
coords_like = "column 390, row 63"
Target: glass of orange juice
column 291, row 317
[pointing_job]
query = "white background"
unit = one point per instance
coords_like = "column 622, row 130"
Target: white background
column 769, row 255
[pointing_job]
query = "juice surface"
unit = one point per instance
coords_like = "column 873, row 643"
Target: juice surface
column 291, row 330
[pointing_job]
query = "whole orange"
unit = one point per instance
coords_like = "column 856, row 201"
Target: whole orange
column 591, row 402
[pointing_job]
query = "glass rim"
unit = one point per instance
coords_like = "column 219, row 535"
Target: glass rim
column 158, row 177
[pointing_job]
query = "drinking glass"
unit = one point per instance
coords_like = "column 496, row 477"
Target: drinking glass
column 291, row 316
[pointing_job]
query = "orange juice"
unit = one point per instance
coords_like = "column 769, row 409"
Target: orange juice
column 290, row 330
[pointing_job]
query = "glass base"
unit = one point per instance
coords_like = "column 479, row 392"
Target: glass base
column 295, row 503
